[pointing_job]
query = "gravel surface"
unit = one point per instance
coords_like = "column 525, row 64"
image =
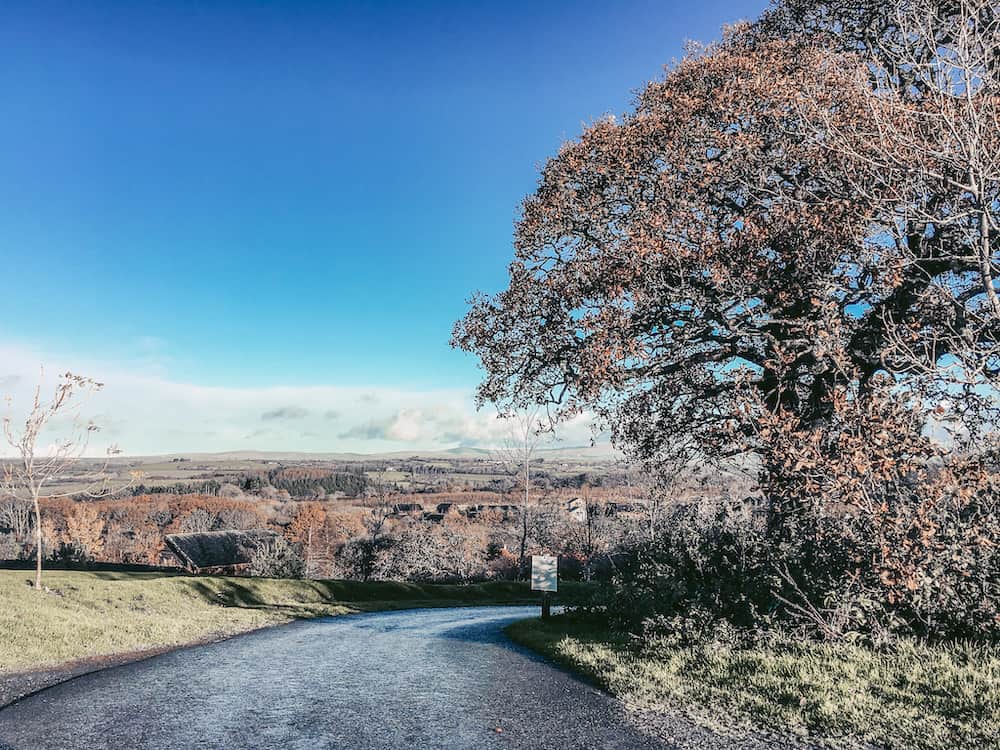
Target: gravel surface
column 18, row 684
column 440, row 678
column 15, row 685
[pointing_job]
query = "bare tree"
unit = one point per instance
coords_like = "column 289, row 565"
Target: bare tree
column 378, row 501
column 527, row 429
column 659, row 482
column 16, row 515
column 379, row 504
column 591, row 533
column 34, row 470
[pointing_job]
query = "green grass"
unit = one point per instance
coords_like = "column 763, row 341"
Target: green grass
column 916, row 696
column 88, row 614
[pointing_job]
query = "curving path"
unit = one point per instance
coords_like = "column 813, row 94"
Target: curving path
column 436, row 678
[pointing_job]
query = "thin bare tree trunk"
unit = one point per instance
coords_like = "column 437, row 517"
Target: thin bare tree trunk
column 524, row 511
column 523, row 551
column 309, row 552
column 38, row 545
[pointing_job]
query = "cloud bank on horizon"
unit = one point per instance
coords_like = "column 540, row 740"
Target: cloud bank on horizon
column 146, row 413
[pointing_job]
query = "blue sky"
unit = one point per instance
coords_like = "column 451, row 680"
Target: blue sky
column 251, row 197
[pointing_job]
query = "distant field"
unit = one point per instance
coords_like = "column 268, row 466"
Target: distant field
column 388, row 476
column 418, row 471
column 88, row 614
column 914, row 696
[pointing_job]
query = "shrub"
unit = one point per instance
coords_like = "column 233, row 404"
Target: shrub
column 277, row 559
column 874, row 528
column 363, row 558
column 709, row 558
column 11, row 547
column 849, row 544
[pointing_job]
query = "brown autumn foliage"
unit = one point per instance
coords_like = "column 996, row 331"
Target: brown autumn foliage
column 899, row 531
column 323, row 539
column 85, row 529
column 309, row 518
column 306, row 529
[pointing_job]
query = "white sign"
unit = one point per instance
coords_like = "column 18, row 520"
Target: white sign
column 544, row 573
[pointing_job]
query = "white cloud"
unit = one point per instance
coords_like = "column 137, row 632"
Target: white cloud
column 285, row 412
column 147, row 413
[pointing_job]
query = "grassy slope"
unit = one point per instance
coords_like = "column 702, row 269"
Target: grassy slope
column 95, row 613
column 918, row 696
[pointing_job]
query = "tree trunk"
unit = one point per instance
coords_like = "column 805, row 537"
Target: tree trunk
column 522, row 561
column 38, row 545
column 523, row 547
column 309, row 544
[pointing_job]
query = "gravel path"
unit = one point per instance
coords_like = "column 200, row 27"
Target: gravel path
column 437, row 678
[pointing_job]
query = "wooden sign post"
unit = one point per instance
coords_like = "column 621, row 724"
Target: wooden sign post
column 545, row 578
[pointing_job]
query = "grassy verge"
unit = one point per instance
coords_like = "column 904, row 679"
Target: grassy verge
column 917, row 696
column 88, row 614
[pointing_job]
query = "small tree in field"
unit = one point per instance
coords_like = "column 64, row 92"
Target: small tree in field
column 36, row 469
column 305, row 528
column 526, row 430
column 378, row 503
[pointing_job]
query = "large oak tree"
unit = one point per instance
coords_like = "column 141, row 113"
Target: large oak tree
column 788, row 249
column 785, row 214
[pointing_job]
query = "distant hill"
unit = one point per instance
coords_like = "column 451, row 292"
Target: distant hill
column 598, row 452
